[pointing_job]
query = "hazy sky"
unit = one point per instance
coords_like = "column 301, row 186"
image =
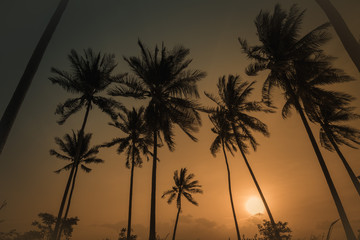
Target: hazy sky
column 284, row 164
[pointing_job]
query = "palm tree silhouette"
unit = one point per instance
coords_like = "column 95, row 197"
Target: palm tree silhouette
column 69, row 146
column 323, row 106
column 224, row 139
column 280, row 49
column 184, row 187
column 134, row 144
column 91, row 74
column 332, row 134
column 232, row 99
column 18, row 96
column 163, row 78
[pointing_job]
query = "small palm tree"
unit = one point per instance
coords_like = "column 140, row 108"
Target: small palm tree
column 135, row 143
column 280, row 49
column 163, row 78
column 184, row 187
column 90, row 75
column 69, row 147
column 232, row 99
column 224, row 139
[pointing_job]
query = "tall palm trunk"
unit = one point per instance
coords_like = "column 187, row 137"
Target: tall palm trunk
column 131, row 191
column 152, row 235
column 346, row 164
column 18, row 97
column 69, row 201
column 277, row 234
column 76, row 160
column 347, row 38
column 230, row 193
column 346, row 224
column 176, row 222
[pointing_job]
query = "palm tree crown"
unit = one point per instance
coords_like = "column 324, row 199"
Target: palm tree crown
column 281, row 46
column 232, row 100
column 184, row 186
column 137, row 139
column 333, row 119
column 224, row 135
column 163, row 78
column 69, row 144
column 90, row 75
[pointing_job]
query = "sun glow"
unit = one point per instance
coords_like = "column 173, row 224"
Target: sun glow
column 254, row 205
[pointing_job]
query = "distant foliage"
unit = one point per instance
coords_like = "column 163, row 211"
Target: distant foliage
column 122, row 235
column 44, row 229
column 267, row 232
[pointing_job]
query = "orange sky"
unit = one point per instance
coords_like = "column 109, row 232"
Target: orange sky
column 284, row 164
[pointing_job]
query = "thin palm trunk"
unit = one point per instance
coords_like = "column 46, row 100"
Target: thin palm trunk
column 277, row 235
column 230, row 193
column 347, row 38
column 346, row 224
column 131, row 192
column 152, row 235
column 76, row 160
column 18, row 97
column 346, row 164
column 69, row 202
column 176, row 222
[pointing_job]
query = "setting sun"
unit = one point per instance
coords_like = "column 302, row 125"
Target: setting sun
column 254, row 205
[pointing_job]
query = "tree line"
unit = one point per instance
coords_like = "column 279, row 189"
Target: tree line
column 297, row 65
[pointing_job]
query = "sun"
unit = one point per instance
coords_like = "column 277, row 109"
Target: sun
column 254, row 205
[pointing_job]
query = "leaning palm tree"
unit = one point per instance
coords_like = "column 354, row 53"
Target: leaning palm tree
column 232, row 99
column 184, row 187
column 325, row 107
column 90, row 75
column 224, row 139
column 135, row 143
column 280, row 48
column 347, row 39
column 69, row 147
column 333, row 133
column 162, row 77
column 18, row 96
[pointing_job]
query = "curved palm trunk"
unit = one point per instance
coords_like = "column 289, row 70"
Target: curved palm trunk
column 176, row 222
column 152, row 235
column 346, row 224
column 347, row 38
column 18, row 97
column 76, row 160
column 230, row 193
column 131, row 192
column 69, row 202
column 277, row 235
column 346, row 164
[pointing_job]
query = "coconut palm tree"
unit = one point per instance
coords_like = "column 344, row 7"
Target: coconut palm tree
column 232, row 99
column 325, row 107
column 90, row 75
column 348, row 40
column 280, row 48
column 163, row 78
column 18, row 96
column 224, row 139
column 135, row 143
column 69, row 146
column 184, row 187
column 333, row 133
